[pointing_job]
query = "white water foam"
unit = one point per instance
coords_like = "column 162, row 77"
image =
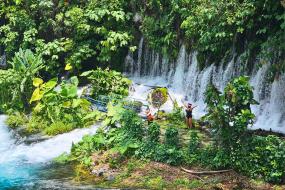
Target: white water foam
column 38, row 152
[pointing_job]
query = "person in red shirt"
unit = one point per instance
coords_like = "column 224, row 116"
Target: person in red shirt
column 149, row 116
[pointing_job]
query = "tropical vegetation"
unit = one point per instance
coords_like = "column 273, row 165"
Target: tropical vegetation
column 55, row 47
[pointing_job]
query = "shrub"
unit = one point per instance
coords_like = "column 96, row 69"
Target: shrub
column 147, row 149
column 194, row 143
column 107, row 82
column 153, row 133
column 60, row 107
column 266, row 158
column 171, row 137
column 82, row 150
column 167, row 154
column 176, row 116
column 229, row 113
column 16, row 84
column 132, row 125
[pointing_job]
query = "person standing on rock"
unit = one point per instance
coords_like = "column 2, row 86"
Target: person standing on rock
column 189, row 108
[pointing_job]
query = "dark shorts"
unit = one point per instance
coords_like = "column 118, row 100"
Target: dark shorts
column 189, row 116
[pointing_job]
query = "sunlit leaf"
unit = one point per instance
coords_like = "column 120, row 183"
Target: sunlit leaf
column 68, row 67
column 37, row 82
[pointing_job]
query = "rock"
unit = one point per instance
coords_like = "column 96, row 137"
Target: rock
column 110, row 177
column 36, row 138
column 98, row 172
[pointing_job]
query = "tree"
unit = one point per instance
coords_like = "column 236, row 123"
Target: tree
column 158, row 97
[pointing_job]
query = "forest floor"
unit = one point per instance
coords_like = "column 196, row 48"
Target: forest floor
column 138, row 174
column 142, row 174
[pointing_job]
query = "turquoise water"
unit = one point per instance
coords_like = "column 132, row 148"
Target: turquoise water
column 30, row 167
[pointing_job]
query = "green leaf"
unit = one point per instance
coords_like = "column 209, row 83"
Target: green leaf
column 18, row 2
column 66, row 104
column 72, row 92
column 87, row 73
column 74, row 80
column 76, row 103
column 50, row 84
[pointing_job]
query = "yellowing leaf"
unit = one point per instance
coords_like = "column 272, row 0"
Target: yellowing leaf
column 37, row 95
column 66, row 104
column 37, row 82
column 68, row 67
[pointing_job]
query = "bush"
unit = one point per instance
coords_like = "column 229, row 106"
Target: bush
column 230, row 114
column 36, row 124
column 176, row 116
column 194, row 143
column 147, row 149
column 16, row 84
column 132, row 125
column 153, row 133
column 266, row 158
column 169, row 155
column 171, row 137
column 107, row 82
column 55, row 108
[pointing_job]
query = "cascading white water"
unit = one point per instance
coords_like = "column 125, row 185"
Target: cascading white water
column 19, row 162
column 187, row 82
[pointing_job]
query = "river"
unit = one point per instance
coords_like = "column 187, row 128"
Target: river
column 28, row 167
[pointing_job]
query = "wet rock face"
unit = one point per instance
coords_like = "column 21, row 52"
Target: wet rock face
column 35, row 139
column 22, row 136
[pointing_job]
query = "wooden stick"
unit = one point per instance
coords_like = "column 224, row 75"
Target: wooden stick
column 205, row 172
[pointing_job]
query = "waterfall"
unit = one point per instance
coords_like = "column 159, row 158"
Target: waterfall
column 139, row 62
column 187, row 82
column 178, row 82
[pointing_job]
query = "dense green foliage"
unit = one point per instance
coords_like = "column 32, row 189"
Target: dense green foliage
column 233, row 147
column 129, row 139
column 55, row 111
column 252, row 28
column 48, row 38
column 66, row 31
column 16, row 84
column 230, row 116
column 62, row 110
column 107, row 82
column 78, row 32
